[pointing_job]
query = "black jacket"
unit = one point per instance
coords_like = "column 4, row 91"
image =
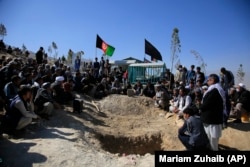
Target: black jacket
column 39, row 57
column 42, row 96
column 212, row 108
column 244, row 98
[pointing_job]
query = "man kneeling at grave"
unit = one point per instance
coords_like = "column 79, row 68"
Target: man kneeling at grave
column 192, row 134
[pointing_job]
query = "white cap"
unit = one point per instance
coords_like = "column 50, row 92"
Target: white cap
column 242, row 85
column 204, row 87
column 60, row 78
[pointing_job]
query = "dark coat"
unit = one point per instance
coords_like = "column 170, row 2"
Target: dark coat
column 212, row 108
column 200, row 76
column 149, row 91
column 244, row 99
column 39, row 57
column 42, row 96
column 13, row 115
column 58, row 92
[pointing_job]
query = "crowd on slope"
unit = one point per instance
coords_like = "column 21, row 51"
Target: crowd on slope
column 33, row 88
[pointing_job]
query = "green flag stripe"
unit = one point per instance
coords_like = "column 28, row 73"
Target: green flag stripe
column 110, row 50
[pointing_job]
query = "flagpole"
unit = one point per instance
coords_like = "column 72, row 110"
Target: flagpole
column 95, row 52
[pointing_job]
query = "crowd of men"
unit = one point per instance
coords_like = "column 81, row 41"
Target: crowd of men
column 33, row 88
column 206, row 105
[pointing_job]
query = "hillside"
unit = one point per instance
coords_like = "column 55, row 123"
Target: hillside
column 115, row 131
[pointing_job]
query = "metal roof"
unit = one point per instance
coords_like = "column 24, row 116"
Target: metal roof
column 158, row 64
column 122, row 62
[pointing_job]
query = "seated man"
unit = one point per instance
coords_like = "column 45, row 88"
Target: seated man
column 58, row 92
column 198, row 98
column 128, row 90
column 68, row 95
column 11, row 88
column 149, row 91
column 184, row 101
column 43, row 101
column 242, row 105
column 116, row 87
column 138, row 88
column 77, row 80
column 174, row 99
column 102, row 89
column 18, row 116
column 86, row 86
column 192, row 134
column 160, row 97
column 191, row 90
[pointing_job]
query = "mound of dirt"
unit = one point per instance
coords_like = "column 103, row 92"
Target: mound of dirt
column 124, row 105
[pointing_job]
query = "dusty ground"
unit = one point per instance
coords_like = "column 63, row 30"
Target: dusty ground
column 115, row 131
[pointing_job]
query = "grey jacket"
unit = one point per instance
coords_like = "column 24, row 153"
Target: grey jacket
column 193, row 127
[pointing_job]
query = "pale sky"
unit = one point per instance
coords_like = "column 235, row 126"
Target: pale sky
column 218, row 29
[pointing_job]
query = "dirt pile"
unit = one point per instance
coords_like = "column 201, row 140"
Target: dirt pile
column 124, row 105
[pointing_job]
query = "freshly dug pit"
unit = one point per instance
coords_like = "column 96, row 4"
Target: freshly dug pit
column 131, row 145
column 133, row 125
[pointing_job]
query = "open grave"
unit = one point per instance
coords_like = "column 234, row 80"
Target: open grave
column 134, row 126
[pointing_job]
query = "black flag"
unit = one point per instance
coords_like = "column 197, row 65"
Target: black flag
column 99, row 41
column 152, row 51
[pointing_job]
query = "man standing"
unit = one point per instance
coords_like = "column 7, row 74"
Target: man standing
column 179, row 74
column 199, row 75
column 227, row 78
column 77, row 63
column 191, row 74
column 170, row 78
column 39, row 56
column 101, row 70
column 96, row 68
column 212, row 107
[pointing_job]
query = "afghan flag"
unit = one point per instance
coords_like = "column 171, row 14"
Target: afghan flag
column 107, row 49
column 152, row 51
